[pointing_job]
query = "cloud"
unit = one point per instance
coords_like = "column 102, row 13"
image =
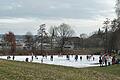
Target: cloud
column 14, row 20
column 56, row 8
column 85, row 16
column 23, row 25
column 6, row 8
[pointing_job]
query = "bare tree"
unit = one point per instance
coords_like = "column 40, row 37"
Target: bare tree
column 28, row 40
column 52, row 36
column 63, row 32
column 115, row 25
column 106, row 27
column 41, row 34
column 10, row 39
column 114, row 39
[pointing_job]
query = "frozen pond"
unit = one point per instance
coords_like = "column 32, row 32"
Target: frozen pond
column 60, row 60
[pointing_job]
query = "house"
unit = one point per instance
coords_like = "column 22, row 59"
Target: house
column 73, row 43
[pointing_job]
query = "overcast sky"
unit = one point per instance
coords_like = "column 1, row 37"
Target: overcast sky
column 85, row 16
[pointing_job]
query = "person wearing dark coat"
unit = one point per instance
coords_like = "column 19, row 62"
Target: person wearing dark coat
column 100, row 61
column 80, row 57
column 76, row 57
column 51, row 58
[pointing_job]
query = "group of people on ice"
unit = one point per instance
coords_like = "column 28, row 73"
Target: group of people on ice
column 76, row 57
column 88, row 57
column 106, row 60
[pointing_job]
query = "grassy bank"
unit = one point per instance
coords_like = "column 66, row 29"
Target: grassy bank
column 12, row 70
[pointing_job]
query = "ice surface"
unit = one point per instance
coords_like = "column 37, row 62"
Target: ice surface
column 61, row 60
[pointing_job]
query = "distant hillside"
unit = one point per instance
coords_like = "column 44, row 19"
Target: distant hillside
column 17, row 36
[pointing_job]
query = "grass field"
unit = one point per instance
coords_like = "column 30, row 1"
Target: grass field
column 13, row 70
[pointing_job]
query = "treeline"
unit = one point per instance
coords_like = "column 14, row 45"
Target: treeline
column 60, row 40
